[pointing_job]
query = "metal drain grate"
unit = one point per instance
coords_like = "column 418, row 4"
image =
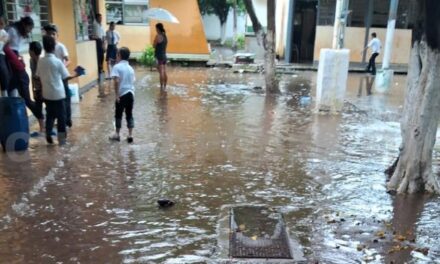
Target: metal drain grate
column 258, row 232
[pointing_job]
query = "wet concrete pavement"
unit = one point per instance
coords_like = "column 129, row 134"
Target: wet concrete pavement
column 214, row 140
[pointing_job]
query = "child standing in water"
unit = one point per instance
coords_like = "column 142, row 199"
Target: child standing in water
column 62, row 54
column 52, row 73
column 123, row 76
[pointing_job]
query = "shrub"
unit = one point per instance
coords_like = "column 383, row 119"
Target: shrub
column 240, row 42
column 147, row 57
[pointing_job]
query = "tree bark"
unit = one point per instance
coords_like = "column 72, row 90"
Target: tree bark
column 256, row 25
column 234, row 36
column 267, row 40
column 223, row 33
column 413, row 172
column 269, row 56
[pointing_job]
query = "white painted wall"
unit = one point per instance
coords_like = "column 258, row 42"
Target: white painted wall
column 211, row 24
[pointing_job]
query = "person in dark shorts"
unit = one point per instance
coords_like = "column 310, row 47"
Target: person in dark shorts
column 160, row 53
column 112, row 37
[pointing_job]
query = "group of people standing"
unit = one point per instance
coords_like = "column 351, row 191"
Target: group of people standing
column 122, row 73
column 106, row 42
column 50, row 75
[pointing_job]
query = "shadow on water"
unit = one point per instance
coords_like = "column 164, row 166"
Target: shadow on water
column 212, row 140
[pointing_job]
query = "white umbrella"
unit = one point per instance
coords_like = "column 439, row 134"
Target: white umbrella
column 161, row 14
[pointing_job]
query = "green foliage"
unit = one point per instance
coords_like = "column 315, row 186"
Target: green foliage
column 240, row 42
column 147, row 57
column 220, row 8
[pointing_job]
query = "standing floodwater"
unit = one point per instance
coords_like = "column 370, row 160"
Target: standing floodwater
column 213, row 139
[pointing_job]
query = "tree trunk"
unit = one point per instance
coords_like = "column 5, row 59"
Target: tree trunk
column 269, row 56
column 223, row 33
column 267, row 40
column 413, row 171
column 256, row 25
column 234, row 36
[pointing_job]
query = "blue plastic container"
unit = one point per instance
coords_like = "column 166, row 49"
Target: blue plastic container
column 14, row 124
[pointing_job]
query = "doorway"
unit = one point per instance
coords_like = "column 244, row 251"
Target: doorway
column 304, row 29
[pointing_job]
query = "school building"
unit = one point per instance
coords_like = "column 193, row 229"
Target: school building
column 74, row 19
column 304, row 27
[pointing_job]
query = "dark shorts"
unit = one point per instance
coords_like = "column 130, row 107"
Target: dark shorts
column 112, row 50
column 161, row 62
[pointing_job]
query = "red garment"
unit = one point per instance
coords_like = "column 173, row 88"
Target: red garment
column 13, row 59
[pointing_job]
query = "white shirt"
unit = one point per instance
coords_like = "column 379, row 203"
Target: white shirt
column 61, row 51
column 125, row 73
column 52, row 72
column 116, row 37
column 3, row 39
column 375, row 45
column 15, row 39
column 98, row 30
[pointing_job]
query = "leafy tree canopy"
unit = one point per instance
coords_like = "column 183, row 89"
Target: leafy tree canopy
column 220, row 8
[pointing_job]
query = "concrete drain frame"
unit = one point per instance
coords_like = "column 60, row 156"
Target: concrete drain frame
column 258, row 232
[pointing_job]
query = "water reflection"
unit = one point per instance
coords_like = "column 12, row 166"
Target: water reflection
column 368, row 81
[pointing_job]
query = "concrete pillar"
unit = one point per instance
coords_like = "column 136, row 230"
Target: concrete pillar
column 337, row 25
column 368, row 19
column 384, row 77
column 289, row 39
column 333, row 67
column 332, row 79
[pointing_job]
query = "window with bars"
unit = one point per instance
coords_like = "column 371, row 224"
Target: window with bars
column 84, row 17
column 126, row 11
column 359, row 11
column 38, row 10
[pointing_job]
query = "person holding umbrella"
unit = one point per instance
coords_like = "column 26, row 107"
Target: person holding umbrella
column 160, row 50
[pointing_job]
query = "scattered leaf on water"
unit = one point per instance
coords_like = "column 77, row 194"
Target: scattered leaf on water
column 380, row 234
column 254, row 238
column 359, row 247
column 400, row 238
column 395, row 248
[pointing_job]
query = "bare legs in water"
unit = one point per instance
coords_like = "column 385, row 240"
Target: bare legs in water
column 163, row 77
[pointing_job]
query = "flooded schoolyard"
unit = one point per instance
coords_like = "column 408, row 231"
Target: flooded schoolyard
column 216, row 139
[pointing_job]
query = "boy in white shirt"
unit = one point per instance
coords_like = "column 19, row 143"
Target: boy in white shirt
column 123, row 76
column 375, row 45
column 62, row 54
column 52, row 72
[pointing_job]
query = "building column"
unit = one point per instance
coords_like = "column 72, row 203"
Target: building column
column 384, row 77
column 368, row 21
column 289, row 39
